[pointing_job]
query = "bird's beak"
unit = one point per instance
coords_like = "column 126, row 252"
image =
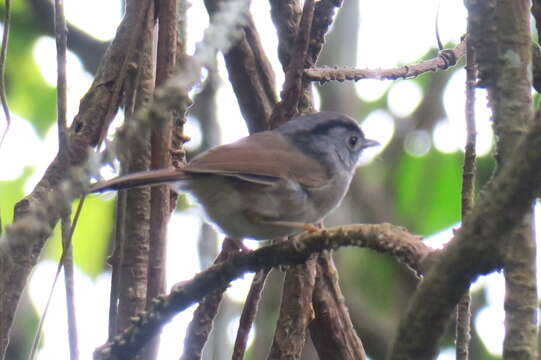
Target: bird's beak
column 369, row 143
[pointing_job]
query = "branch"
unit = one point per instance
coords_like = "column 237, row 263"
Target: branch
column 445, row 59
column 248, row 314
column 293, row 86
column 286, row 15
column 250, row 73
column 471, row 252
column 323, row 19
column 509, row 93
column 332, row 331
column 199, row 328
column 382, row 237
column 463, row 314
column 296, row 311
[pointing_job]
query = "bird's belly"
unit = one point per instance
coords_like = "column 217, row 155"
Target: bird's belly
column 247, row 211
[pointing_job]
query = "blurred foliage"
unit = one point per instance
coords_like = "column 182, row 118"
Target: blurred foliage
column 423, row 185
column 91, row 237
column 22, row 86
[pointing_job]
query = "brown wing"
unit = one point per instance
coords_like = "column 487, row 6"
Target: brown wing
column 265, row 154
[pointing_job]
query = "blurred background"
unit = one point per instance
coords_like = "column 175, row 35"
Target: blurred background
column 412, row 180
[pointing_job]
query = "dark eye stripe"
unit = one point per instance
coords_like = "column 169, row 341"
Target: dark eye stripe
column 325, row 128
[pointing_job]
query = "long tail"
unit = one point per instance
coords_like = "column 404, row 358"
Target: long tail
column 152, row 177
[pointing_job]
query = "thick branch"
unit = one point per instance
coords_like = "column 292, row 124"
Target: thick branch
column 384, row 237
column 286, row 15
column 250, row 73
column 293, row 86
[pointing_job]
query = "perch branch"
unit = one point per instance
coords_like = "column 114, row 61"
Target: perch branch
column 382, row 237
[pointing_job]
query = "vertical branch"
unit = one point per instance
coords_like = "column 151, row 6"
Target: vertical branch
column 295, row 311
column 463, row 317
column 117, row 258
column 286, row 15
column 130, row 257
column 61, row 44
column 293, row 86
column 161, row 135
column 67, row 249
column 503, row 52
column 332, row 331
column 162, row 201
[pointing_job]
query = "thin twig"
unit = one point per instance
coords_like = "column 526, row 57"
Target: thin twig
column 3, row 56
column 248, row 313
column 463, row 317
column 61, row 45
column 445, row 59
column 115, row 260
column 67, row 264
column 65, row 249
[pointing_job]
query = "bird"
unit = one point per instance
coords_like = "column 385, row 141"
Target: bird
column 271, row 184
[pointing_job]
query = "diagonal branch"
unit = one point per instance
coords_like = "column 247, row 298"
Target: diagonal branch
column 250, row 73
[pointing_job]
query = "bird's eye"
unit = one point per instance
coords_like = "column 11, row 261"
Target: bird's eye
column 352, row 141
